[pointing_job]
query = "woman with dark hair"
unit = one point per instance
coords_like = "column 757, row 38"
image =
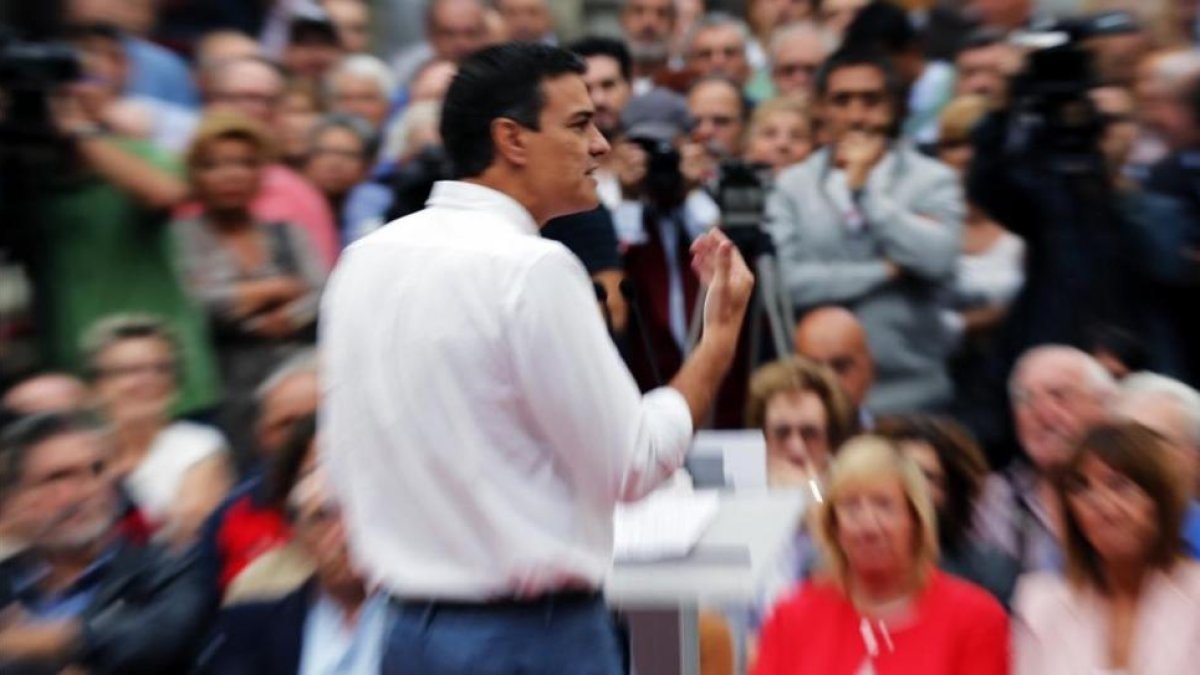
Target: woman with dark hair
column 1130, row 600
column 955, row 468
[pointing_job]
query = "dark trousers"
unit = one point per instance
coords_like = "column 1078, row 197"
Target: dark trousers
column 555, row 636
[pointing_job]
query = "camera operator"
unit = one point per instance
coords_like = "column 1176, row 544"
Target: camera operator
column 871, row 224
column 1048, row 168
column 661, row 173
column 1178, row 177
column 92, row 234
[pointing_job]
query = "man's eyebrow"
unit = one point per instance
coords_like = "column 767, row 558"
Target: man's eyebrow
column 582, row 115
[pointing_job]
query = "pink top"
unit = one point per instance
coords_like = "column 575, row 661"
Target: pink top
column 956, row 629
column 286, row 197
column 1062, row 631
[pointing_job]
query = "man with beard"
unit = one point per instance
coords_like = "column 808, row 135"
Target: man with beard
column 648, row 26
column 871, row 224
column 82, row 596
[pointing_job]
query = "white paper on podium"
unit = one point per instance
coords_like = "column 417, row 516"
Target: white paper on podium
column 663, row 526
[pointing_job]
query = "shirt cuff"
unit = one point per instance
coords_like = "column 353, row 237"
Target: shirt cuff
column 668, row 405
column 701, row 213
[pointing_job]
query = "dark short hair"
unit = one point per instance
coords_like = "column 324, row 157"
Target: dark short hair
column 1138, row 454
column 30, row 431
column 962, row 461
column 616, row 50
column 981, row 38
column 504, row 81
column 850, row 56
column 884, row 26
column 285, row 466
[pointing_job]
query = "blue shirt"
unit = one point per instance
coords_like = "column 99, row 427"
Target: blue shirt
column 159, row 73
column 68, row 603
column 333, row 648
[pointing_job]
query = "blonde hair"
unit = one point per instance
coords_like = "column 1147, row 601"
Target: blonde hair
column 960, row 116
column 797, row 374
column 795, row 103
column 871, row 458
column 220, row 125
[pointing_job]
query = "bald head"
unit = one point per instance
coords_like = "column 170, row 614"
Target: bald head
column 456, row 28
column 1058, row 393
column 49, row 392
column 834, row 337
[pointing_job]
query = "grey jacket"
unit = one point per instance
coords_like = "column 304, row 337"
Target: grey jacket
column 909, row 213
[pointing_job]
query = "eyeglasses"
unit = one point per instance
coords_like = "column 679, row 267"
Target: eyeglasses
column 161, row 368
column 73, row 476
column 953, row 143
column 715, row 120
column 793, row 69
column 808, row 433
column 727, row 52
column 337, row 152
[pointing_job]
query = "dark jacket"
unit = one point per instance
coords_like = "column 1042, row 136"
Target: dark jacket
column 261, row 638
column 148, row 613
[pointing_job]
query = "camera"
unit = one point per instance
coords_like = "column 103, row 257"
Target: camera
column 1052, row 109
column 664, row 184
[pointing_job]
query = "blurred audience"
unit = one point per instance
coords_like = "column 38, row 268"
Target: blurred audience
column 46, row 392
column 869, row 222
column 884, row 605
column 955, row 471
column 528, row 20
column 250, row 521
column 453, row 29
column 360, row 85
column 175, row 471
column 352, row 19
column 258, row 281
column 780, row 133
column 804, row 416
column 836, row 339
column 1171, row 409
column 647, row 27
column 1127, row 599
column 1057, row 394
column 255, row 87
column 340, row 148
column 81, row 596
column 797, row 51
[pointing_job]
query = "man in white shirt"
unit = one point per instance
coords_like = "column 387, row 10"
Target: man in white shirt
column 481, row 426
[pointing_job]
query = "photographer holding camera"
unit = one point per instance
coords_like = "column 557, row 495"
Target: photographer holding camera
column 869, row 223
column 1048, row 168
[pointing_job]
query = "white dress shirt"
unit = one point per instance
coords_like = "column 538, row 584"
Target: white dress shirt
column 479, row 423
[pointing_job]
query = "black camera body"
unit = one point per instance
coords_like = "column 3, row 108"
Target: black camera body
column 1052, row 109
column 664, row 184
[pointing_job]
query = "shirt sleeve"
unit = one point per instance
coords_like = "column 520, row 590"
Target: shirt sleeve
column 612, row 443
column 924, row 241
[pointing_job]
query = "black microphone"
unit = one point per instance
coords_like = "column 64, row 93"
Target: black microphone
column 629, row 292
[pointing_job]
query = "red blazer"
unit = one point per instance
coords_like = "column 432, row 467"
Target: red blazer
column 958, row 630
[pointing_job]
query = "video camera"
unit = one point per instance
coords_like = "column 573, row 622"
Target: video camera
column 1050, row 101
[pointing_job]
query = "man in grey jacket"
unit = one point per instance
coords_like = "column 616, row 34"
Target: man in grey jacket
column 870, row 224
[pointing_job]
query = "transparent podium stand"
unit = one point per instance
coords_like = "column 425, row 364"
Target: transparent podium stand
column 662, row 599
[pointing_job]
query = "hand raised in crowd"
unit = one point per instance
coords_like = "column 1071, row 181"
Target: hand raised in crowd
column 857, row 153
column 629, row 162
column 723, row 271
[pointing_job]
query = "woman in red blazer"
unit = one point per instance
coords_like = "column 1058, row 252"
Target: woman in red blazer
column 882, row 608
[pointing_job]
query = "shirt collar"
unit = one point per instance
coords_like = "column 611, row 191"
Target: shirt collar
column 453, row 194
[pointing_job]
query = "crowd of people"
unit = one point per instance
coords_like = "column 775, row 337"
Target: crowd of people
column 970, row 338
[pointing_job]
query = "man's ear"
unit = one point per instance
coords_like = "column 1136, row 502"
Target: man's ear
column 508, row 140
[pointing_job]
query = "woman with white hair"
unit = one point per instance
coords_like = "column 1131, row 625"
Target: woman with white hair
column 883, row 606
column 363, row 86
